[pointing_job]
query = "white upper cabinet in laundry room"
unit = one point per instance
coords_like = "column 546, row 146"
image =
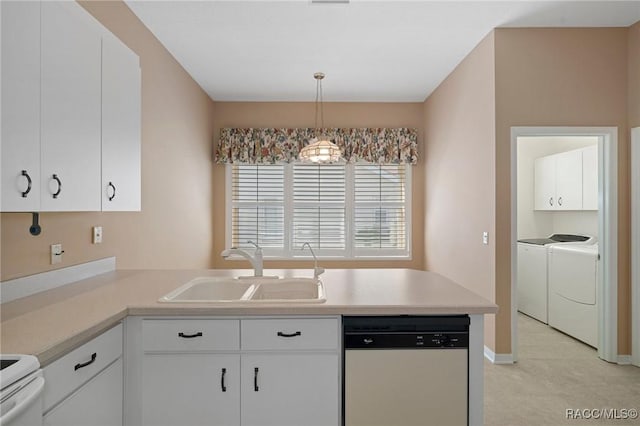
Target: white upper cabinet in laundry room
column 20, row 124
column 558, row 181
column 590, row 178
column 70, row 108
column 569, row 180
column 545, row 183
column 121, row 102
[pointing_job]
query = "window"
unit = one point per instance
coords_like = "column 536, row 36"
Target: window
column 348, row 211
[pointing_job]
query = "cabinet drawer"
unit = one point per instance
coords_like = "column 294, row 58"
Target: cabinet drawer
column 96, row 403
column 77, row 367
column 190, row 335
column 289, row 334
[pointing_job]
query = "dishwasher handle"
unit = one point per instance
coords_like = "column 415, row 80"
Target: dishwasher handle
column 35, row 387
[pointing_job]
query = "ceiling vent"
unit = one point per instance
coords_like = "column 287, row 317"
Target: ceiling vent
column 330, row 1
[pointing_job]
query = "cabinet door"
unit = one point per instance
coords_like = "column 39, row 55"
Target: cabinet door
column 97, row 403
column 545, row 183
column 590, row 178
column 569, row 180
column 20, row 106
column 70, row 108
column 290, row 389
column 120, row 126
column 191, row 390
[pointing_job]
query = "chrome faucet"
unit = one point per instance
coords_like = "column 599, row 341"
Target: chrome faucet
column 256, row 259
column 317, row 270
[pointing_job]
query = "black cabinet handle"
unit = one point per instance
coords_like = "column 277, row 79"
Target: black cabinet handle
column 297, row 333
column 190, row 336
column 84, row 364
column 112, row 186
column 28, row 190
column 255, row 379
column 57, row 179
column 222, row 385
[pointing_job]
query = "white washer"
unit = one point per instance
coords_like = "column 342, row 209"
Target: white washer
column 533, row 293
column 573, row 291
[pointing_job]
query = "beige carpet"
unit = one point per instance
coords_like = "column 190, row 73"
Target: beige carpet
column 554, row 373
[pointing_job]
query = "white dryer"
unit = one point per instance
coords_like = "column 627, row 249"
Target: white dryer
column 573, row 291
column 532, row 271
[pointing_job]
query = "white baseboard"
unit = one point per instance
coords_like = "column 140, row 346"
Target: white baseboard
column 624, row 359
column 497, row 358
column 32, row 284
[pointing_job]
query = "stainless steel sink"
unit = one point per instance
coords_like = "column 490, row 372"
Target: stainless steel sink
column 248, row 290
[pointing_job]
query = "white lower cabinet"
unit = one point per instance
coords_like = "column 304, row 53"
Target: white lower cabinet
column 85, row 387
column 191, row 390
column 290, row 389
column 201, row 372
column 97, row 403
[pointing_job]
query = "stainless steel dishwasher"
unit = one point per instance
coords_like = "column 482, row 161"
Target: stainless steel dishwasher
column 406, row 371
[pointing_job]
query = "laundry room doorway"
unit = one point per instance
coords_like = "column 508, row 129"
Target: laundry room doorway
column 564, row 234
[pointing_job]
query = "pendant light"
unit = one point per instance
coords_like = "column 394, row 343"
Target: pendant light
column 320, row 148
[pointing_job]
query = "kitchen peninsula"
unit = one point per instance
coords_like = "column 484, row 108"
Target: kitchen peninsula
column 51, row 324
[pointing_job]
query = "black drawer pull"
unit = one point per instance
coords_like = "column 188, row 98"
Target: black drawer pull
column 26, row 191
column 190, row 336
column 59, row 182
column 113, row 194
column 255, row 379
column 84, row 364
column 297, row 333
column 222, row 385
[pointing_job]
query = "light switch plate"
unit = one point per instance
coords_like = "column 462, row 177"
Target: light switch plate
column 56, row 253
column 97, row 234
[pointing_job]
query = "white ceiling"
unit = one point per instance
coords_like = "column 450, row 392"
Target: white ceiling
column 381, row 51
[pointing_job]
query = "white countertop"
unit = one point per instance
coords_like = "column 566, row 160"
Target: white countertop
column 51, row 323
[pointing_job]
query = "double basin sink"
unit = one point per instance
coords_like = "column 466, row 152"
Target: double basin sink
column 251, row 290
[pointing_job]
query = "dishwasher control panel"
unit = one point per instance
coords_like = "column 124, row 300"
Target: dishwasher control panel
column 406, row 332
column 406, row 340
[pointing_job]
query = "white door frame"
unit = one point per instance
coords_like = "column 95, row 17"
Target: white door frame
column 607, row 231
column 635, row 246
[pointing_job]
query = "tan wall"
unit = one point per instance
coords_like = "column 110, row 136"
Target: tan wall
column 174, row 229
column 560, row 77
column 301, row 114
column 633, row 49
column 459, row 121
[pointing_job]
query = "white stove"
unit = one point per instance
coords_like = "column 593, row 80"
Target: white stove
column 21, row 385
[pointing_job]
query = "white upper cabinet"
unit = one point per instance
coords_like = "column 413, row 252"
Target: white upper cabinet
column 70, row 112
column 121, row 100
column 569, row 180
column 545, row 183
column 590, row 178
column 558, row 181
column 70, row 147
column 20, row 125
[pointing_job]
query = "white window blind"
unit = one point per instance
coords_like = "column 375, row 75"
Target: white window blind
column 379, row 211
column 344, row 211
column 319, row 206
column 257, row 194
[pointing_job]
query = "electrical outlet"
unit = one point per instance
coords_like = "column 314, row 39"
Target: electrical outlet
column 56, row 253
column 97, row 234
column 485, row 238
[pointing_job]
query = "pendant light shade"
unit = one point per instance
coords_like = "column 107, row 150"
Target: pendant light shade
column 320, row 149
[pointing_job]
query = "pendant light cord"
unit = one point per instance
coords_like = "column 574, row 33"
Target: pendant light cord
column 319, row 100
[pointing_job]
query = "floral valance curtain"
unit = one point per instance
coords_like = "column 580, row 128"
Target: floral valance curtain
column 269, row 146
